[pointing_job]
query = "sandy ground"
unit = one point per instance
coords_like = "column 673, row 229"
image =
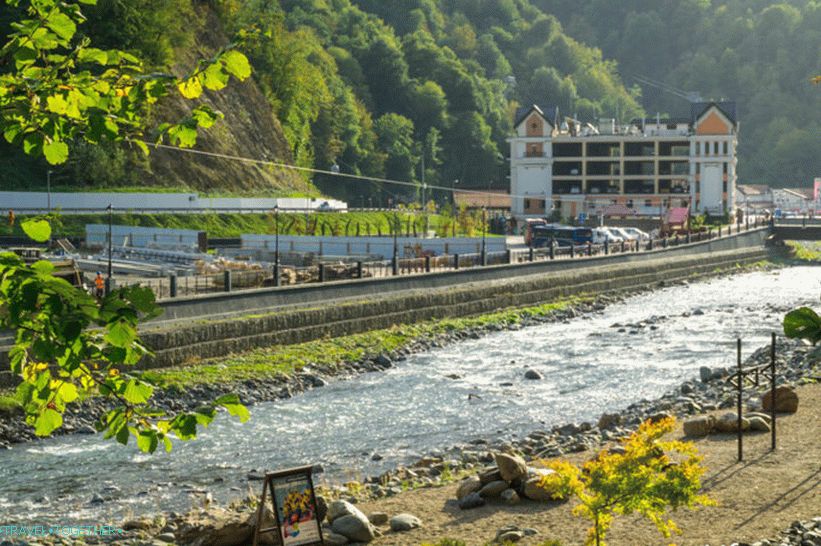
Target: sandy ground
column 757, row 498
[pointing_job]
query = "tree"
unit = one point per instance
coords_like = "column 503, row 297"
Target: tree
column 651, row 476
column 69, row 346
column 61, row 89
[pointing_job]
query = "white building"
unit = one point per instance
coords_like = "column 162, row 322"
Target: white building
column 648, row 166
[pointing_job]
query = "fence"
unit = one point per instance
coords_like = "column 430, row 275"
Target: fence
column 228, row 281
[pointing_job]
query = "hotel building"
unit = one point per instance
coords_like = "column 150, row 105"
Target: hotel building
column 643, row 168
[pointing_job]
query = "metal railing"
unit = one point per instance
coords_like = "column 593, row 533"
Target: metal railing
column 234, row 280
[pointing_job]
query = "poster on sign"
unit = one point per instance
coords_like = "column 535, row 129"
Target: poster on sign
column 295, row 507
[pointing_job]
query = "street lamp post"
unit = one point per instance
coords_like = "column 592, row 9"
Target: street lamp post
column 48, row 190
column 110, row 243
column 395, row 260
column 484, row 236
column 276, row 246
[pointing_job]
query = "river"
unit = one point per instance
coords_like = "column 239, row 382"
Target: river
column 590, row 367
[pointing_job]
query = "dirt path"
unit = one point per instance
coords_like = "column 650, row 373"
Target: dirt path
column 757, row 498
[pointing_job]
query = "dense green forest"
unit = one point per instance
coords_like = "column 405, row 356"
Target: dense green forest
column 760, row 53
column 383, row 88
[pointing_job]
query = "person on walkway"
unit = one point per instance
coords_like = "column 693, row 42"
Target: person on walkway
column 99, row 284
column 11, row 218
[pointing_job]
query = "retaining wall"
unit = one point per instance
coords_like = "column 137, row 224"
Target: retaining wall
column 218, row 338
column 266, row 298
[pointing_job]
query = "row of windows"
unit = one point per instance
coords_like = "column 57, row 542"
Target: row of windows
column 575, row 187
column 630, row 203
column 711, row 148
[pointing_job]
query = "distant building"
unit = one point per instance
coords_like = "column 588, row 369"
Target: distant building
column 795, row 200
column 754, row 197
column 648, row 166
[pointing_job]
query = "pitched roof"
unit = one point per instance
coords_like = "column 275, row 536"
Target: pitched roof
column 804, row 193
column 728, row 108
column 550, row 114
column 753, row 189
column 678, row 215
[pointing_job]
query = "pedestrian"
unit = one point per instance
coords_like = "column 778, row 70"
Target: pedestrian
column 11, row 218
column 99, row 284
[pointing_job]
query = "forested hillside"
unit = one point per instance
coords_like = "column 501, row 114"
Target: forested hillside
column 381, row 88
column 760, row 53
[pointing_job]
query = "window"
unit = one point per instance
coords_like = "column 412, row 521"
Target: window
column 724, row 186
column 648, row 203
column 725, row 147
column 527, row 204
column 725, row 167
column 629, row 203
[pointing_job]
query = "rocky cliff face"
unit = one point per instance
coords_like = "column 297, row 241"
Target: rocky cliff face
column 249, row 130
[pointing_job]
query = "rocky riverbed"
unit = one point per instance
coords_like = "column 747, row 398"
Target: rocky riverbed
column 80, row 418
column 796, row 364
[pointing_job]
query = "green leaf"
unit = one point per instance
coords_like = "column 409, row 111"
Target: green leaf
column 236, row 64
column 43, row 267
column 68, row 392
column 803, row 323
column 190, row 88
column 137, row 392
column 37, row 230
column 121, row 334
column 185, row 137
column 56, row 152
column 215, row 78
column 47, row 422
column 185, row 426
column 231, row 403
column 147, row 441
column 92, row 55
column 122, row 435
column 56, row 104
column 62, row 25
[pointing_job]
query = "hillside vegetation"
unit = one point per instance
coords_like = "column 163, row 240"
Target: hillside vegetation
column 759, row 53
column 383, row 88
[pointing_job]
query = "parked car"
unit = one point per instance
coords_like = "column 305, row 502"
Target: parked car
column 602, row 234
column 622, row 233
column 637, row 234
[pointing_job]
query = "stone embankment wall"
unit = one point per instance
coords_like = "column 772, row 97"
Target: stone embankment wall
column 298, row 314
column 208, row 339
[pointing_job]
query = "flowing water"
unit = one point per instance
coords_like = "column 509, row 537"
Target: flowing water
column 590, row 367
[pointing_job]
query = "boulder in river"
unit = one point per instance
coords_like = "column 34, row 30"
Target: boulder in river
column 533, row 375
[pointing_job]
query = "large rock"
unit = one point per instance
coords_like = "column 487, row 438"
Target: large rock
column 339, row 508
column 533, row 375
column 511, row 467
column 490, row 475
column 470, row 485
column 405, row 522
column 493, row 489
column 786, row 400
column 510, row 496
column 532, row 488
column 608, row 420
column 705, row 373
column 329, row 538
column 218, row 528
column 758, row 424
column 474, row 500
column 347, row 520
column 698, row 427
column 728, row 422
column 378, row 518
column 355, row 528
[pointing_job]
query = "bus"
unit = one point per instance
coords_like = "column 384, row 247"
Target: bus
column 562, row 235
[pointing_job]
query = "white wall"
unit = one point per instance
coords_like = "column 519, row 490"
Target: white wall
column 371, row 246
column 176, row 202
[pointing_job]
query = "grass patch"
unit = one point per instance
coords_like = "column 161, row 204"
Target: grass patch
column 9, row 404
column 805, row 252
column 284, row 360
column 235, row 224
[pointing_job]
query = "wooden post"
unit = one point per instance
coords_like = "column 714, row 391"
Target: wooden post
column 740, row 379
column 772, row 392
